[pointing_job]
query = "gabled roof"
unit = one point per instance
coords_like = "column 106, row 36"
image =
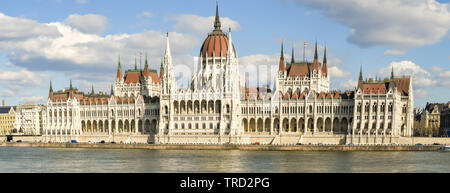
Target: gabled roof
column 6, row 109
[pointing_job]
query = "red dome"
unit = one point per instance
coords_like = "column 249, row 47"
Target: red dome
column 215, row 44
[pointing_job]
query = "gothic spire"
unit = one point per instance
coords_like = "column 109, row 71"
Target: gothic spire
column 324, row 64
column 392, row 73
column 281, row 66
column 217, row 20
column 135, row 63
column 360, row 74
column 92, row 91
column 292, row 59
column 118, row 66
column 315, row 52
column 316, row 59
column 146, row 62
column 70, row 87
column 112, row 90
column 51, row 88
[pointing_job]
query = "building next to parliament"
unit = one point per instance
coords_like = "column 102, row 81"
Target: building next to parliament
column 218, row 107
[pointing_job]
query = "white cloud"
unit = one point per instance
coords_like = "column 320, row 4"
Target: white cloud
column 145, row 14
column 394, row 52
column 17, row 29
column 35, row 99
column 334, row 71
column 398, row 23
column 348, row 85
column 259, row 66
column 16, row 80
column 200, row 26
column 421, row 77
column 89, row 23
column 421, row 93
column 7, row 93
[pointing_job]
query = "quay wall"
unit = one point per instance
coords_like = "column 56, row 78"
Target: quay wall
column 241, row 140
column 232, row 147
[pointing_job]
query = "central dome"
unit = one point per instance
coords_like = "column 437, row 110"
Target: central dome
column 216, row 44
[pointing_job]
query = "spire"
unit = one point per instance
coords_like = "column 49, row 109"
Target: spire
column 92, row 91
column 135, row 64
column 292, row 59
column 167, row 52
column 360, row 75
column 70, row 87
column 161, row 69
column 146, row 62
column 324, row 64
column 112, row 90
column 230, row 44
column 281, row 66
column 217, row 20
column 51, row 88
column 392, row 73
column 315, row 52
column 119, row 70
column 316, row 59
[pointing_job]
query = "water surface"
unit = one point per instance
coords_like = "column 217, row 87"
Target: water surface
column 20, row 159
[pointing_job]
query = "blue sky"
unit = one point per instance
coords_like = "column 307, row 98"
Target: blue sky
column 60, row 40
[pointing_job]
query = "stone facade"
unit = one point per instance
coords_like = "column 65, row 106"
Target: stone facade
column 218, row 107
column 7, row 119
column 30, row 119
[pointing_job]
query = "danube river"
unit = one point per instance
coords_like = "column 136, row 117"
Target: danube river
column 20, row 159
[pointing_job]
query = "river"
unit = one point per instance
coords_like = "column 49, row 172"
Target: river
column 61, row 160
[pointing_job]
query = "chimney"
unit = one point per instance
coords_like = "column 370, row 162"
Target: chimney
column 3, row 102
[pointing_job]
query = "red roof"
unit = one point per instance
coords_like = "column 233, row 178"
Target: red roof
column 215, row 44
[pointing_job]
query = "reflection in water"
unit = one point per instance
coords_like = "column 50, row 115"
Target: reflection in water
column 14, row 159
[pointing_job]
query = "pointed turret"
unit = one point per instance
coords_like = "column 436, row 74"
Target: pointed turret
column 230, row 45
column 292, row 59
column 392, row 73
column 135, row 63
column 146, row 73
column 70, row 87
column 161, row 69
column 316, row 59
column 324, row 64
column 281, row 65
column 360, row 79
column 50, row 92
column 112, row 90
column 119, row 70
column 92, row 91
column 217, row 24
column 51, row 88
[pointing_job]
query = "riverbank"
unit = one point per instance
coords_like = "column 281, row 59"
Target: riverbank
column 231, row 147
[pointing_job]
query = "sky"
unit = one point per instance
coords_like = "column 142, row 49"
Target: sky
column 81, row 40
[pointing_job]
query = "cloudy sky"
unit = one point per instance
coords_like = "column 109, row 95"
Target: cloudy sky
column 59, row 40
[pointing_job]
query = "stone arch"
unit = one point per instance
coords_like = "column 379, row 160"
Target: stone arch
column 176, row 107
column 285, row 125
column 210, row 107
column 196, row 107
column 89, row 127
column 336, row 125
column 94, row 126
column 153, row 128
column 120, row 126
column 218, row 106
column 276, row 125
column 100, row 126
column 113, row 126
column 320, row 124
column 293, row 127
column 328, row 124
column 267, row 125
column 252, row 125
column 133, row 126
column 147, row 126
column 189, row 107
column 344, row 125
column 301, row 125
column 203, row 107
column 106, row 126
column 182, row 107
column 245, row 124
column 260, row 125
column 83, row 126
column 310, row 124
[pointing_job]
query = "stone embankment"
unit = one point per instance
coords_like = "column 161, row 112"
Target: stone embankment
column 232, row 147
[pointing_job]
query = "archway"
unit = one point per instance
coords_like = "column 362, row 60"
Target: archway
column 320, row 124
column 245, row 124
column 260, row 125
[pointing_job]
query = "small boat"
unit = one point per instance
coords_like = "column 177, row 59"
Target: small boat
column 447, row 148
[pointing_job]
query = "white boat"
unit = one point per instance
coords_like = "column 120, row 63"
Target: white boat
column 446, row 148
